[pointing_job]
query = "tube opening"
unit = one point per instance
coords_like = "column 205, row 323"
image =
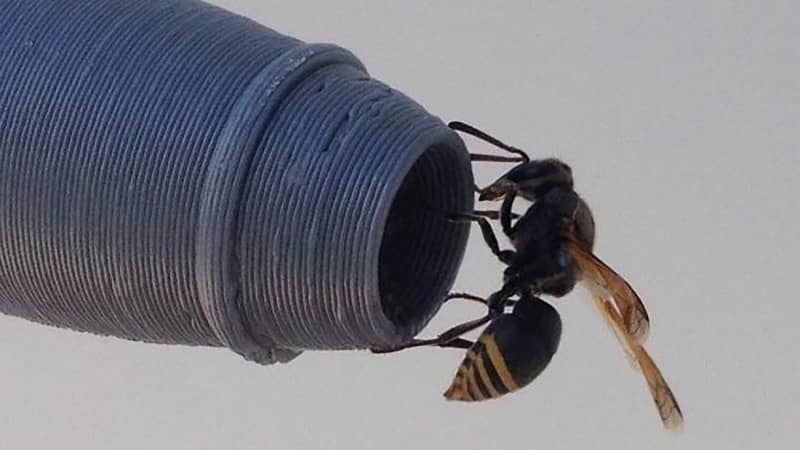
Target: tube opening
column 421, row 249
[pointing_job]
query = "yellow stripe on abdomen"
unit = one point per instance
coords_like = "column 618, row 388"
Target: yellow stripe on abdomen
column 487, row 380
column 499, row 362
column 472, row 385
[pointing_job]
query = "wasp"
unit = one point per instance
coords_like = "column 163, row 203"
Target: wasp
column 552, row 251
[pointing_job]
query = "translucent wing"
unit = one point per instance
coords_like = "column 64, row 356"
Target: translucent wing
column 662, row 395
column 604, row 282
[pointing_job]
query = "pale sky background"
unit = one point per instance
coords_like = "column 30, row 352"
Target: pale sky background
column 680, row 120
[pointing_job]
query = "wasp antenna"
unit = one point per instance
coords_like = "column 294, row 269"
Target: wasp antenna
column 469, row 129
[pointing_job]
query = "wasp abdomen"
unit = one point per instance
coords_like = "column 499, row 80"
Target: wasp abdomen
column 511, row 352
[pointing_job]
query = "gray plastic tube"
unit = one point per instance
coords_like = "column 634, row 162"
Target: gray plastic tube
column 173, row 173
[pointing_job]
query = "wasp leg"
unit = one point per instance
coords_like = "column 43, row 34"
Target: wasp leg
column 480, row 157
column 443, row 340
column 473, row 297
column 466, row 296
column 491, row 215
column 505, row 256
column 496, row 304
column 494, row 215
column 459, row 343
column 506, row 214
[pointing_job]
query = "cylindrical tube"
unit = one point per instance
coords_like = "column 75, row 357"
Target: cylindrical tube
column 174, row 173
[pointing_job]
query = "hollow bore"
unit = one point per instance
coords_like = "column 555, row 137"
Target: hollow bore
column 421, row 249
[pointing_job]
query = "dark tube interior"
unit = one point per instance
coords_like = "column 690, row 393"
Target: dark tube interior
column 422, row 250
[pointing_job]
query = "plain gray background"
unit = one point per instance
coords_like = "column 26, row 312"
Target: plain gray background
column 680, row 120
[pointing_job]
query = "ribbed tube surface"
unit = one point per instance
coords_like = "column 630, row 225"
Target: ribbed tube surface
column 174, row 173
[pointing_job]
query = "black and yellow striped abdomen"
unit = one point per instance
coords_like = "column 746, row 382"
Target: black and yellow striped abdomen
column 510, row 353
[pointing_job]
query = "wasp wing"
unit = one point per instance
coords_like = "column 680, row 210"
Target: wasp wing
column 603, row 281
column 665, row 402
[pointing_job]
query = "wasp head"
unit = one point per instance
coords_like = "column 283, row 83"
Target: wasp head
column 530, row 180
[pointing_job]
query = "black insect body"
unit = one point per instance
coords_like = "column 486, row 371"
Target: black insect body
column 540, row 262
column 521, row 344
column 553, row 242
